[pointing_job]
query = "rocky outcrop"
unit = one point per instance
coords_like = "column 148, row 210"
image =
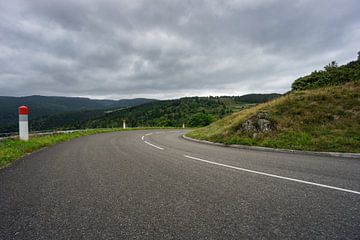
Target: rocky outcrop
column 258, row 123
column 264, row 125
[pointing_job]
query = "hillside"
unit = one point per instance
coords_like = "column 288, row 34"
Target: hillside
column 324, row 117
column 332, row 75
column 193, row 111
column 44, row 106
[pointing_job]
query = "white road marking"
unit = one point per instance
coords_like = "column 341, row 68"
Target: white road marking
column 153, row 145
column 148, row 134
column 273, row 175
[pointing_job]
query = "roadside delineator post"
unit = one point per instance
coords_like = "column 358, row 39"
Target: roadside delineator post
column 183, row 126
column 23, row 123
column 124, row 124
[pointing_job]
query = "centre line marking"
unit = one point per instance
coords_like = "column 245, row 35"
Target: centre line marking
column 274, row 176
column 153, row 145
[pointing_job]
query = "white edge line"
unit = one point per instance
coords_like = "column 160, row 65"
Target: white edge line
column 274, row 176
column 153, row 145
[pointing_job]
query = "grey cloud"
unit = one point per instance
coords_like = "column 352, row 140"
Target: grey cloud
column 165, row 49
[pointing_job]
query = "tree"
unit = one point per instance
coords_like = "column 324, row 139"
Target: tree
column 163, row 122
column 331, row 65
column 201, row 120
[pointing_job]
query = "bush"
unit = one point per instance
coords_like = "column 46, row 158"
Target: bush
column 201, row 120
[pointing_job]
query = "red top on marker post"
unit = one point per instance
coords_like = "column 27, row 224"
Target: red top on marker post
column 23, row 110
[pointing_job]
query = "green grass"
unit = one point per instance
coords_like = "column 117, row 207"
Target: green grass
column 324, row 119
column 12, row 149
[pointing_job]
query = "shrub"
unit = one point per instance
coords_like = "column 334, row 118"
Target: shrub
column 201, row 120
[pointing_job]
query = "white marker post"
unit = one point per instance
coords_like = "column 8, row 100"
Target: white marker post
column 23, row 123
column 124, row 124
column 183, row 126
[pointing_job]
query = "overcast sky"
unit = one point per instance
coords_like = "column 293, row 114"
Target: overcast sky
column 166, row 49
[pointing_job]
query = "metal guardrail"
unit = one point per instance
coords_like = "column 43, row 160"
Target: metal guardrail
column 10, row 135
column 2, row 135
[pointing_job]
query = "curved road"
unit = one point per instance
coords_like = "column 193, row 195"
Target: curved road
column 156, row 185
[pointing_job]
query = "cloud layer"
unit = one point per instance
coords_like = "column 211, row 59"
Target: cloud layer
column 167, row 49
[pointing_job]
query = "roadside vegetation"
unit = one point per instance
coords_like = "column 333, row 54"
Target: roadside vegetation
column 317, row 115
column 12, row 149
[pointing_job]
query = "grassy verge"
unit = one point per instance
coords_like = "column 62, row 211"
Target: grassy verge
column 324, row 119
column 12, row 149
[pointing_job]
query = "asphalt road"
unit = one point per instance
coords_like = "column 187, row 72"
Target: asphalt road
column 156, row 185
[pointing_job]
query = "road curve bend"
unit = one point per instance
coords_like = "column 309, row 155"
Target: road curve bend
column 156, row 185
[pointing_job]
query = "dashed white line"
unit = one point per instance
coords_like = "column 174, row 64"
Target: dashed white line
column 153, row 145
column 274, row 176
column 142, row 138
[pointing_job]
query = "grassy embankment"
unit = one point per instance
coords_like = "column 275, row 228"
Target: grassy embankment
column 12, row 149
column 322, row 119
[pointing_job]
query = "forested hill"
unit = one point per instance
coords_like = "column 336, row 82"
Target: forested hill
column 257, row 98
column 43, row 106
column 193, row 111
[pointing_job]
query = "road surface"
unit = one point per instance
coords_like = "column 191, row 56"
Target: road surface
column 156, row 185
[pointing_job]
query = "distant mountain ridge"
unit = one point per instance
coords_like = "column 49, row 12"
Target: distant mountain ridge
column 48, row 105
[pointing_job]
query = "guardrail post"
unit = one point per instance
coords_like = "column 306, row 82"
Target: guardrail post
column 23, row 123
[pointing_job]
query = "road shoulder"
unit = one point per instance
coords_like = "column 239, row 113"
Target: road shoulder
column 267, row 149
